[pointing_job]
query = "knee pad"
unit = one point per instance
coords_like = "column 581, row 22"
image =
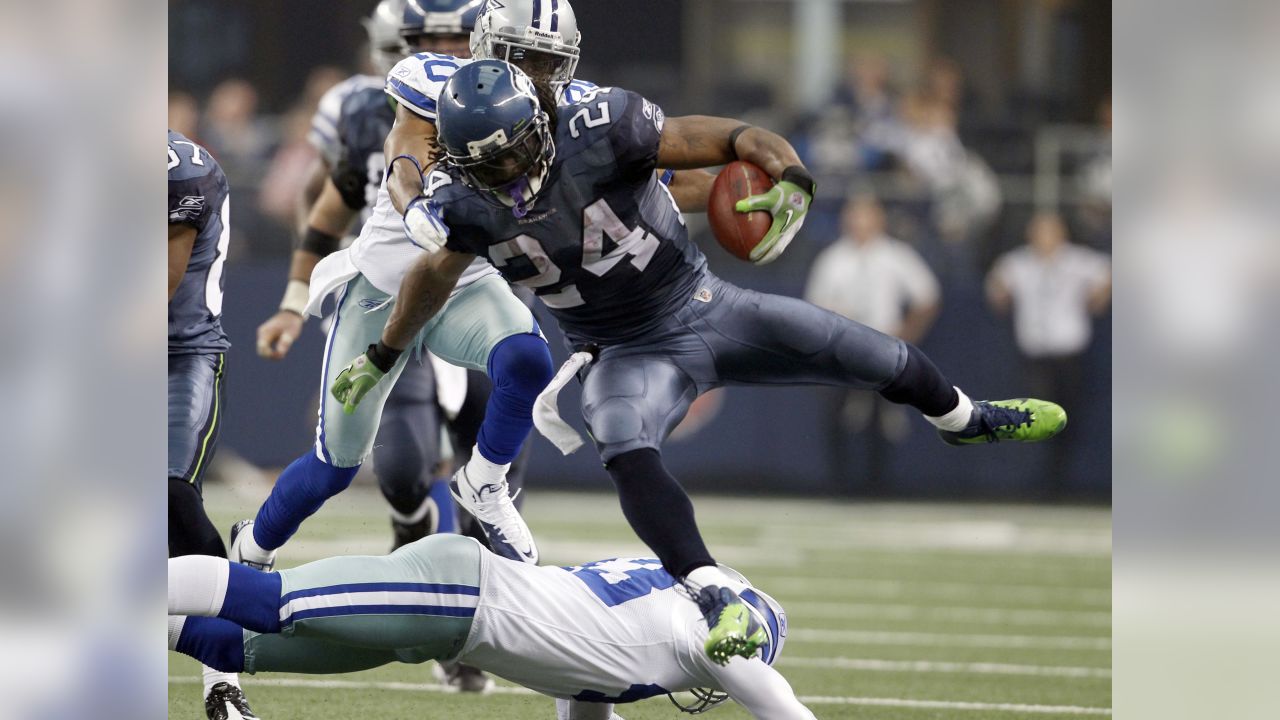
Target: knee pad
column 190, row 530
column 521, row 365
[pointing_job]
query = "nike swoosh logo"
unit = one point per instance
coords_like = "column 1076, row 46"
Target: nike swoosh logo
column 790, row 213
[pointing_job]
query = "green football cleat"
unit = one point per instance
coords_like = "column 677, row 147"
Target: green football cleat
column 1020, row 420
column 734, row 629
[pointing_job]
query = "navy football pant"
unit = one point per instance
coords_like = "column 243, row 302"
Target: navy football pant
column 636, row 392
column 195, row 417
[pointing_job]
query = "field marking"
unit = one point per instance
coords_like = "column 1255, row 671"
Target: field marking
column 931, row 666
column 872, row 637
column 988, row 616
column 1097, row 597
column 807, row 699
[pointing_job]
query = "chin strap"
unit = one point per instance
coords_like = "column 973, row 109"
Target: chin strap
column 546, row 416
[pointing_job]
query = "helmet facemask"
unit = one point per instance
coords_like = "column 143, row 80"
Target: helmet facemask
column 542, row 55
column 513, row 170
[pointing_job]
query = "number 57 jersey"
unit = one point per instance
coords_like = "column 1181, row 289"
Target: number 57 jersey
column 603, row 245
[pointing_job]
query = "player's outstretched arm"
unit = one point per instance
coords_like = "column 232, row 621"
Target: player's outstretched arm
column 701, row 141
column 328, row 220
column 423, row 292
column 411, row 137
column 760, row 689
column 691, row 189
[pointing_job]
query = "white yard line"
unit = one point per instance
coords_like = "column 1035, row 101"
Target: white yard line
column 984, row 616
column 807, row 699
column 931, row 666
column 847, row 586
column 1045, row 642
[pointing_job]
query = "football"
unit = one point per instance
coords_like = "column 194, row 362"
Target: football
column 738, row 232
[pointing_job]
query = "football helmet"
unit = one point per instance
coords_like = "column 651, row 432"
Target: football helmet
column 541, row 36
column 450, row 18
column 494, row 133
column 386, row 46
column 768, row 613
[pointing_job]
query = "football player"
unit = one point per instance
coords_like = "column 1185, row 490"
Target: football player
column 606, row 632
column 349, row 128
column 564, row 200
column 481, row 328
column 199, row 232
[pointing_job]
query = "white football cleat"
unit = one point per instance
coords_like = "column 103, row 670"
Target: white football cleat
column 254, row 557
column 492, row 507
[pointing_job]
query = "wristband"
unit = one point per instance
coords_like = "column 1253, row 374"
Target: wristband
column 733, row 138
column 797, row 175
column 383, row 356
column 410, row 158
column 295, row 298
column 319, row 242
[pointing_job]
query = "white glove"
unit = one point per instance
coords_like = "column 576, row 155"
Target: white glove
column 423, row 224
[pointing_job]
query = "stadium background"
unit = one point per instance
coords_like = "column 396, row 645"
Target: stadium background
column 1026, row 81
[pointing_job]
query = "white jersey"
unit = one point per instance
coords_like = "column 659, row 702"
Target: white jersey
column 384, row 253
column 608, row 631
column 323, row 134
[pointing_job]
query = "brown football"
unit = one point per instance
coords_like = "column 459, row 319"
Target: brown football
column 738, row 232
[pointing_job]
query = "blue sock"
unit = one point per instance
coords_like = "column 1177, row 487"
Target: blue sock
column 215, row 642
column 299, row 492
column 444, row 505
column 520, row 367
column 253, row 599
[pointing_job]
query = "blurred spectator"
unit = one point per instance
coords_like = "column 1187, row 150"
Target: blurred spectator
column 965, row 192
column 1054, row 287
column 184, row 115
column 291, row 165
column 233, row 132
column 883, row 283
column 857, row 129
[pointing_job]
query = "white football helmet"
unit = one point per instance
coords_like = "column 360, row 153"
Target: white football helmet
column 768, row 613
column 540, row 36
column 386, row 47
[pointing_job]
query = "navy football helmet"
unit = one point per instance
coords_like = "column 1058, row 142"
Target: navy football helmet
column 494, row 133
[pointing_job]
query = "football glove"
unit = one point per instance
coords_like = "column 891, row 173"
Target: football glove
column 361, row 375
column 788, row 202
column 424, row 226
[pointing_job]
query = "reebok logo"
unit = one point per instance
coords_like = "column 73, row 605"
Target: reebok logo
column 192, row 202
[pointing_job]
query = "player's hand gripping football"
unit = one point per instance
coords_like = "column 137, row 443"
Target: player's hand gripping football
column 361, row 375
column 423, row 224
column 788, row 202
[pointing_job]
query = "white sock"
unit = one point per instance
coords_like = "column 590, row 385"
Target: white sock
column 197, row 585
column 958, row 418
column 175, row 629
column 483, row 472
column 417, row 515
column 213, row 677
column 711, row 575
column 250, row 549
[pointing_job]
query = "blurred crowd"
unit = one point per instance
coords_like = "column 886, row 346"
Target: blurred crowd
column 925, row 197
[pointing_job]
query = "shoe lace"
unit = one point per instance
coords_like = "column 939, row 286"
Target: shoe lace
column 996, row 417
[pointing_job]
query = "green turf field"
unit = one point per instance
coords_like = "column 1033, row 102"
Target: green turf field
column 901, row 612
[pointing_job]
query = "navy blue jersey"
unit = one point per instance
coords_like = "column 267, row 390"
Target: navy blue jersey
column 199, row 197
column 363, row 125
column 604, row 245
